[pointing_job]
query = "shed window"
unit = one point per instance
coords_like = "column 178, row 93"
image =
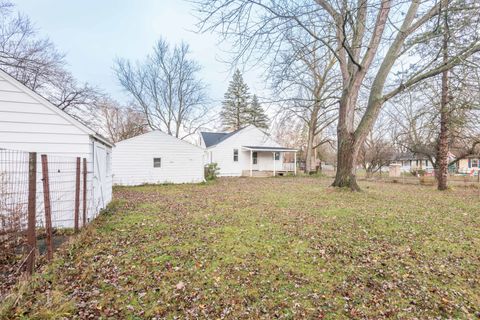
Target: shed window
column 277, row 155
column 255, row 158
column 235, row 154
column 157, row 162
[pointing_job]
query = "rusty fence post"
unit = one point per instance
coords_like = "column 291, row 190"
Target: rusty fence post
column 32, row 197
column 84, row 192
column 77, row 195
column 48, row 208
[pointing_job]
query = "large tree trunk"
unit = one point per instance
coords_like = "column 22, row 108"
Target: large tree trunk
column 347, row 150
column 346, row 161
column 309, row 152
column 310, row 140
column 442, row 148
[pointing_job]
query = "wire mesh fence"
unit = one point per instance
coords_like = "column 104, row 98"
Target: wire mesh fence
column 39, row 195
column 13, row 200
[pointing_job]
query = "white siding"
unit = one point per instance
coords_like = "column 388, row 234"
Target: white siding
column 181, row 162
column 29, row 123
column 222, row 153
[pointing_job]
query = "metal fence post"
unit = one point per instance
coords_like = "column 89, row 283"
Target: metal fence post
column 77, row 195
column 32, row 196
column 48, row 208
column 84, row 192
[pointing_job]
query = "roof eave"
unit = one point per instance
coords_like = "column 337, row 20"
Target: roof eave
column 272, row 149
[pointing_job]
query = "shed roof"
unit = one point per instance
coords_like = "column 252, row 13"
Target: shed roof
column 405, row 156
column 160, row 134
column 75, row 122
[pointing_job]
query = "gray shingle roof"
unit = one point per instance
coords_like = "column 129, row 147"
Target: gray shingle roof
column 213, row 138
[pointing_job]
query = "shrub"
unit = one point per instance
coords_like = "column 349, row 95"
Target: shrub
column 418, row 173
column 211, row 171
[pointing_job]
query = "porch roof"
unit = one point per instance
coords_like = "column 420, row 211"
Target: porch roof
column 272, row 149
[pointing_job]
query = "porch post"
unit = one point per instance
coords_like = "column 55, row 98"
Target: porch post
column 273, row 164
column 251, row 163
column 295, row 162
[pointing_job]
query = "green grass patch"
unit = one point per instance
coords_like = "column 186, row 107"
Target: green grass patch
column 288, row 248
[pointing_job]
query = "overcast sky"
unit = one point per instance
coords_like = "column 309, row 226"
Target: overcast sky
column 93, row 32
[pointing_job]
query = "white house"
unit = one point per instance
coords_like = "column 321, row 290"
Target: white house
column 28, row 122
column 248, row 151
column 156, row 157
column 409, row 162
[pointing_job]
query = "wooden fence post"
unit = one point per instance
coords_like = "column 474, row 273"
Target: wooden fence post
column 84, row 192
column 32, row 197
column 48, row 208
column 77, row 195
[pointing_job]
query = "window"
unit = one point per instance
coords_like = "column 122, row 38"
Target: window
column 277, row 155
column 235, row 154
column 254, row 158
column 475, row 163
column 157, row 162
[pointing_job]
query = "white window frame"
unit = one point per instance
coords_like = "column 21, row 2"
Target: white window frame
column 475, row 164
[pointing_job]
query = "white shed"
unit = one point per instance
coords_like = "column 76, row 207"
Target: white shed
column 28, row 122
column 156, row 157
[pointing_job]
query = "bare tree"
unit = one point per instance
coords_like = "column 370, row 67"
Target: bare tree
column 30, row 59
column 378, row 149
column 121, row 123
column 371, row 40
column 417, row 117
column 441, row 171
column 306, row 82
column 166, row 88
column 36, row 62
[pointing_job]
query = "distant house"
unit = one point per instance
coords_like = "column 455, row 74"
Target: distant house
column 156, row 157
column 411, row 162
column 248, row 151
column 469, row 165
column 30, row 123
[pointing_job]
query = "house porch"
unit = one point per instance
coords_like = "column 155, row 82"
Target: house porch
column 269, row 158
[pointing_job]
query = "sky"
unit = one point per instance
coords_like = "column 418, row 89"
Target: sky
column 92, row 33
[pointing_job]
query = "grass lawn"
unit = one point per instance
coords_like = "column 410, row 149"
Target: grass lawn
column 288, row 248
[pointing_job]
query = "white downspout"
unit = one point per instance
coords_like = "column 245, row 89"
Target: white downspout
column 251, row 163
column 295, row 162
column 273, row 164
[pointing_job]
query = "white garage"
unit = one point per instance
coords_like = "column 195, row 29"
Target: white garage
column 30, row 123
column 156, row 157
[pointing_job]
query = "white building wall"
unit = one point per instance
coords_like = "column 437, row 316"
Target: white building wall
column 181, row 162
column 28, row 124
column 25, row 124
column 222, row 153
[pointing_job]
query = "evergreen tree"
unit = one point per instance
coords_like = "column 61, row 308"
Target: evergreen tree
column 256, row 114
column 235, row 109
